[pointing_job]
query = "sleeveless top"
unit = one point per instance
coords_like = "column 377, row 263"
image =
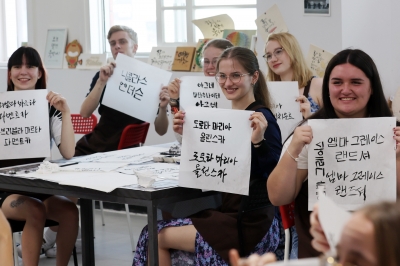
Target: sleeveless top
column 314, row 106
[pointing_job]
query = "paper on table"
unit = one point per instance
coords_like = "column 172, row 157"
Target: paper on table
column 213, row 27
column 164, row 170
column 92, row 167
column 157, row 185
column 89, row 158
column 333, row 219
column 105, row 182
column 300, row 262
column 133, row 155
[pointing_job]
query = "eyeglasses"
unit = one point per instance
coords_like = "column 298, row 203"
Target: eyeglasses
column 234, row 77
column 207, row 62
column 277, row 53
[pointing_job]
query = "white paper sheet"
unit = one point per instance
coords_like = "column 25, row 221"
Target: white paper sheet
column 271, row 22
column 92, row 167
column 216, row 150
column 300, row 262
column 354, row 160
column 213, row 27
column 24, row 124
column 332, row 219
column 163, row 170
column 134, row 88
column 202, row 92
column 286, row 109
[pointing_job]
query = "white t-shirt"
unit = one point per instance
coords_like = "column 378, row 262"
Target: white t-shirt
column 302, row 163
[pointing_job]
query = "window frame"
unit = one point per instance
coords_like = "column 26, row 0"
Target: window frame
column 190, row 9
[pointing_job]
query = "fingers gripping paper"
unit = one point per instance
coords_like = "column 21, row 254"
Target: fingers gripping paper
column 354, row 160
column 134, row 88
column 216, row 150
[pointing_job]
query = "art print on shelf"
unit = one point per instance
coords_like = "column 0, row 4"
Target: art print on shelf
column 317, row 7
column 55, row 45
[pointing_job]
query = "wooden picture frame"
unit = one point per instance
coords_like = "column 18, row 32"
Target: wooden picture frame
column 55, row 48
column 317, row 7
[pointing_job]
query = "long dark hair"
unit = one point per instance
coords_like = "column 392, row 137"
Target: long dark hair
column 377, row 105
column 249, row 62
column 32, row 58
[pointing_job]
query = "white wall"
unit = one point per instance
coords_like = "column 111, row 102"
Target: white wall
column 322, row 31
column 374, row 28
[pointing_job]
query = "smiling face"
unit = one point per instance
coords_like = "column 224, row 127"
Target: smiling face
column 280, row 65
column 210, row 57
column 349, row 91
column 357, row 242
column 240, row 92
column 120, row 42
column 24, row 76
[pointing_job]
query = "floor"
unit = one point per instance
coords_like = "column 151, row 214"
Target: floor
column 112, row 242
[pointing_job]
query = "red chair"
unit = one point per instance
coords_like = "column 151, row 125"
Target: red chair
column 287, row 214
column 83, row 125
column 134, row 134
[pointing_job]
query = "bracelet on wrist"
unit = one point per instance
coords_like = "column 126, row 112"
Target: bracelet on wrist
column 258, row 144
column 296, row 159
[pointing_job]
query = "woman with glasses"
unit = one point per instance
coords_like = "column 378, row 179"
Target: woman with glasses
column 285, row 62
column 351, row 89
column 246, row 223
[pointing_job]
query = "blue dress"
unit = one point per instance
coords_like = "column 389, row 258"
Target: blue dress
column 217, row 230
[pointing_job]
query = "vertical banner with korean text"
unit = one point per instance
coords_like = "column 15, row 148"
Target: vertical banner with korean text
column 353, row 160
column 216, row 150
column 286, row 109
column 202, row 92
column 134, row 88
column 24, row 124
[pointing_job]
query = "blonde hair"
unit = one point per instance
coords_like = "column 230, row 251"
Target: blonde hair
column 301, row 73
column 132, row 34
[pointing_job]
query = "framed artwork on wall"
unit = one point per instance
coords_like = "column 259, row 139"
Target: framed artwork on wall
column 317, row 7
column 55, row 46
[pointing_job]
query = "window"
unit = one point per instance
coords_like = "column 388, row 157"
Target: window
column 13, row 27
column 168, row 22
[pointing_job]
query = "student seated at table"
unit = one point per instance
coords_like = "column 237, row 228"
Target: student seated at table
column 370, row 238
column 351, row 89
column 6, row 248
column 106, row 135
column 286, row 62
column 210, row 53
column 26, row 72
column 210, row 234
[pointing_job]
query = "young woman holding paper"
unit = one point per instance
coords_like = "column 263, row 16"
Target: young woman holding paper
column 26, row 72
column 286, row 62
column 241, row 221
column 351, row 89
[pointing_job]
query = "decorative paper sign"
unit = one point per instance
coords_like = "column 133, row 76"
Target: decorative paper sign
column 354, row 160
column 89, row 61
column 162, row 57
column 317, row 60
column 212, row 157
column 134, row 88
column 271, row 22
column 241, row 38
column 183, row 58
column 286, row 109
column 24, row 124
column 213, row 27
column 396, row 105
column 197, row 65
column 333, row 219
column 55, row 45
column 202, row 92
